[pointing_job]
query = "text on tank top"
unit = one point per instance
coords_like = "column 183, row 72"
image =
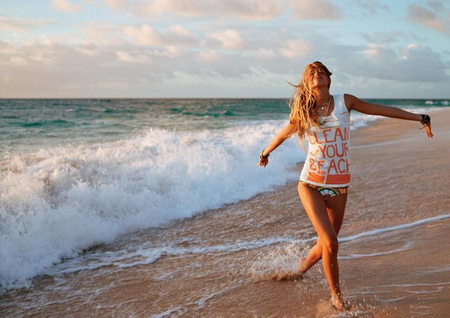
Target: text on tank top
column 327, row 162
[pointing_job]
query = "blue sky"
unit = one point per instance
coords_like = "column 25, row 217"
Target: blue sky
column 222, row 48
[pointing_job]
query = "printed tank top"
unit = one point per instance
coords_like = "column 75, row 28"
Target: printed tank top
column 327, row 162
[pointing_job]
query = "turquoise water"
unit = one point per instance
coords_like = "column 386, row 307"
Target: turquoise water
column 32, row 123
column 28, row 124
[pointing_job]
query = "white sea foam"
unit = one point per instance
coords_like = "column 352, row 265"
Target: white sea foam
column 356, row 256
column 57, row 202
column 144, row 255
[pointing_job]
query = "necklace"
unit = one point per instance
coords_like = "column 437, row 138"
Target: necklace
column 322, row 119
column 326, row 104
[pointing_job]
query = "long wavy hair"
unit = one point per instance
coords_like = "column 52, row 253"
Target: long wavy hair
column 303, row 104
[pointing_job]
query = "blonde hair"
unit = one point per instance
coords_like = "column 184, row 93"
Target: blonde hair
column 303, row 104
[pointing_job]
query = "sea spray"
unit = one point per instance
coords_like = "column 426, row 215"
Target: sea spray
column 58, row 201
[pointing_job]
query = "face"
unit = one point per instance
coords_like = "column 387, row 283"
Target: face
column 318, row 77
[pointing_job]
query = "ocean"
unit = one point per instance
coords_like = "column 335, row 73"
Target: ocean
column 76, row 174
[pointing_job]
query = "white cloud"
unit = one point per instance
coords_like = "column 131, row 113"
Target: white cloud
column 87, row 51
column 412, row 63
column 18, row 24
column 7, row 49
column 116, row 4
column 209, row 56
column 375, row 51
column 103, row 33
column 41, row 57
column 265, row 54
column 230, row 39
column 180, row 30
column 315, row 10
column 127, row 57
column 243, row 9
column 185, row 8
column 144, row 35
column 170, row 51
column 18, row 61
column 295, row 48
column 428, row 18
column 66, row 6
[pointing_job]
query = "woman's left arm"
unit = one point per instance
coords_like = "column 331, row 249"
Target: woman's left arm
column 361, row 106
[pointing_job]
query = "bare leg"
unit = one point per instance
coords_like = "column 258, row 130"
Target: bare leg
column 316, row 208
column 335, row 208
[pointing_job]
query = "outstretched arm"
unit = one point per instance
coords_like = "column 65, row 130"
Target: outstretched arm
column 361, row 106
column 284, row 134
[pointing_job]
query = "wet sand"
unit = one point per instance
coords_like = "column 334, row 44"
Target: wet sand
column 394, row 251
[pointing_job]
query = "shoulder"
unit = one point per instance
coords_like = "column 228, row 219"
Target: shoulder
column 343, row 100
column 350, row 101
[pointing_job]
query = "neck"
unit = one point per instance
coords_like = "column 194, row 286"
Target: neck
column 322, row 96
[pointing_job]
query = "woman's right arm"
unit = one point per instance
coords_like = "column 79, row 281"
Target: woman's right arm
column 284, row 134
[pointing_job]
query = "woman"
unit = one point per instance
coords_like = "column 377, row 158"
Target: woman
column 325, row 120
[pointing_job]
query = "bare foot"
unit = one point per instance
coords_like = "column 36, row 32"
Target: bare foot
column 286, row 276
column 339, row 304
column 303, row 265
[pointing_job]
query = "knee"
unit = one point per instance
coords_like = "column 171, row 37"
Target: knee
column 330, row 246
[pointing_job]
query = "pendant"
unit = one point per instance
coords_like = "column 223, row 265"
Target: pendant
column 322, row 120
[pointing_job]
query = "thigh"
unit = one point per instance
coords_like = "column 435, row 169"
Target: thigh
column 336, row 209
column 316, row 208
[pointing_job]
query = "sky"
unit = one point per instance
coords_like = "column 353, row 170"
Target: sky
column 222, row 48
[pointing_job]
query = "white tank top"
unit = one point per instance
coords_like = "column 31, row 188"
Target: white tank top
column 327, row 162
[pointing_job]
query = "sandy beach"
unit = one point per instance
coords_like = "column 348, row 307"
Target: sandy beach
column 394, row 251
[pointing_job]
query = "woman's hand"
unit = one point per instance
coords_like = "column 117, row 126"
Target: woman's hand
column 263, row 159
column 426, row 122
column 284, row 134
column 263, row 162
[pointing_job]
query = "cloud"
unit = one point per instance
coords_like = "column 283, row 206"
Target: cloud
column 117, row 4
column 373, row 6
column 230, row 39
column 144, row 35
column 103, row 33
column 421, row 64
column 243, row 9
column 387, row 37
column 315, row 10
column 264, row 54
column 87, row 49
column 413, row 63
column 180, row 30
column 138, row 58
column 428, row 18
column 295, row 48
column 209, row 56
column 18, row 24
column 66, row 6
column 170, row 51
column 18, row 61
column 252, row 10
